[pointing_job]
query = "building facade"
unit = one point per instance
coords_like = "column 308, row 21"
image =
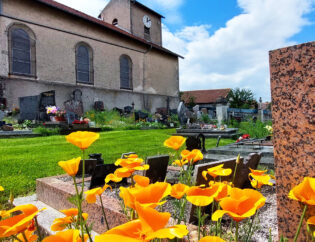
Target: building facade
column 117, row 59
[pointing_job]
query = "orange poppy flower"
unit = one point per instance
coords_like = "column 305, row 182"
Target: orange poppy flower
column 141, row 181
column 217, row 171
column 192, row 156
column 211, row 239
column 71, row 167
column 91, row 194
column 240, row 204
column 69, row 235
column 150, row 225
column 30, row 236
column 113, row 177
column 259, row 178
column 223, row 187
column 179, row 190
column 200, row 196
column 311, row 221
column 82, row 139
column 304, row 192
column 16, row 224
column 1, row 189
column 132, row 164
column 60, row 224
column 175, row 142
column 149, row 196
column 180, row 163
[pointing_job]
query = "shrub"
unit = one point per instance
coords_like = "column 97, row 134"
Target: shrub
column 46, row 131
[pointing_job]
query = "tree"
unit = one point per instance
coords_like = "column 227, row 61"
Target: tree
column 242, row 98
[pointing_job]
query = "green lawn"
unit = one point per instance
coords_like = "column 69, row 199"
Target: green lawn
column 23, row 160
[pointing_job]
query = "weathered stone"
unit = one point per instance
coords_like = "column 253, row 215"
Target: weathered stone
column 7, row 128
column 158, row 168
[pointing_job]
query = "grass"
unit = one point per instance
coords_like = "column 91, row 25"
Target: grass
column 23, row 160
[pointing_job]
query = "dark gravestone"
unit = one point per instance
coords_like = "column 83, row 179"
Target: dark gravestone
column 90, row 165
column 158, row 168
column 241, row 176
column 196, row 142
column 125, row 155
column 29, row 107
column 46, row 99
column 100, row 173
column 119, row 110
column 140, row 115
column 98, row 157
column 99, row 106
column 75, row 104
column 127, row 109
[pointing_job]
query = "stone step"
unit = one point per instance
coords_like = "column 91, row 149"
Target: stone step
column 46, row 217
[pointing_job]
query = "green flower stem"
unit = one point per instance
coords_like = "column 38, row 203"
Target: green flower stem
column 236, row 232
column 24, row 236
column 249, row 234
column 38, row 231
column 199, row 221
column 81, row 195
column 16, row 238
column 88, row 232
column 104, row 213
column 234, row 173
column 300, row 224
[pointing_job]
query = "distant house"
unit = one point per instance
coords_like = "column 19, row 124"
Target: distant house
column 206, row 98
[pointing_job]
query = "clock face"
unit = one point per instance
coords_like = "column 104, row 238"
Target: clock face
column 147, row 21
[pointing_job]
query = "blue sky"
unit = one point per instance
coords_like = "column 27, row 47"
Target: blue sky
column 226, row 42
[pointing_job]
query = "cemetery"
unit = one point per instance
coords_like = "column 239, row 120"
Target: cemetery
column 98, row 143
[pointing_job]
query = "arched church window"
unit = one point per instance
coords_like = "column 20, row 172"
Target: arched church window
column 84, row 64
column 125, row 72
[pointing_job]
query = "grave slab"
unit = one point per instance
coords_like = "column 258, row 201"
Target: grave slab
column 293, row 99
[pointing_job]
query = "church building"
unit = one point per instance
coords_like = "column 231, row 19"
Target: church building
column 117, row 58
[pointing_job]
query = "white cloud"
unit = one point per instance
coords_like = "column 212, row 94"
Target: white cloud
column 237, row 54
column 90, row 7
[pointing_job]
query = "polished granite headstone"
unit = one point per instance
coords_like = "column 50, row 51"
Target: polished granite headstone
column 293, row 99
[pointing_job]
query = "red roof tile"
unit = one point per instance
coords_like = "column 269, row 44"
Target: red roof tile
column 205, row 96
column 91, row 19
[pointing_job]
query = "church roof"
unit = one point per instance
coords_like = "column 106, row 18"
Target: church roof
column 205, row 96
column 101, row 23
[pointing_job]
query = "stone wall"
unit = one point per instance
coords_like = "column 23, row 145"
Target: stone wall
column 57, row 34
column 292, row 72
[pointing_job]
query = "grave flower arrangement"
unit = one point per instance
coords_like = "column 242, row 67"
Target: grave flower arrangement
column 142, row 202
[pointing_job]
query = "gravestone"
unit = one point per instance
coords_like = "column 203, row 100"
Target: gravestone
column 2, row 115
column 75, row 104
column 46, row 99
column 71, row 117
column 99, row 106
column 127, row 109
column 89, row 167
column 293, row 98
column 158, row 168
column 29, row 108
column 181, row 111
column 241, row 176
column 98, row 157
column 196, row 142
column 99, row 174
column 125, row 155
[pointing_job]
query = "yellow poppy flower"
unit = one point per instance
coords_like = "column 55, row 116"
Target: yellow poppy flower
column 141, row 181
column 16, row 224
column 180, row 163
column 150, row 225
column 211, row 239
column 60, row 224
column 1, row 189
column 192, row 156
column 113, row 177
column 223, row 187
column 149, row 196
column 217, row 171
column 82, row 139
column 91, row 194
column 71, row 167
column 200, row 196
column 304, row 192
column 174, row 142
column 241, row 204
column 69, row 235
column 179, row 190
column 259, row 178
column 30, row 236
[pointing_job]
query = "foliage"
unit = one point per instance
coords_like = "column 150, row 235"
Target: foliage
column 254, row 129
column 46, row 131
column 242, row 98
column 205, row 118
